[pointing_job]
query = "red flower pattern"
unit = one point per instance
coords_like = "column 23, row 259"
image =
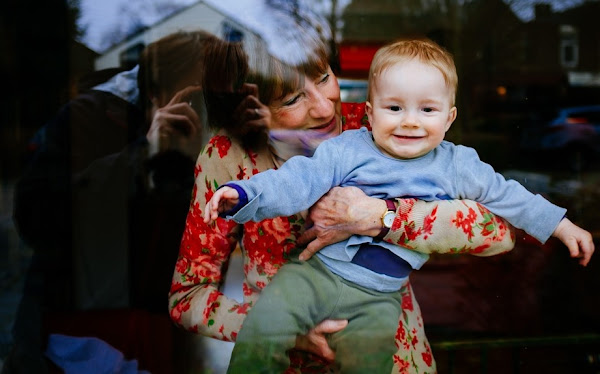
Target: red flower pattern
column 211, row 305
column 400, row 333
column 242, row 173
column 465, row 223
column 246, row 289
column 222, row 143
column 407, row 301
column 241, row 309
column 402, row 365
column 427, row 356
column 415, row 339
column 181, row 307
column 207, row 194
column 428, row 223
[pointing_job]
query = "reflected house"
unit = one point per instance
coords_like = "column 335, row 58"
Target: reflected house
column 554, row 61
column 234, row 20
column 575, row 44
column 547, row 62
column 217, row 17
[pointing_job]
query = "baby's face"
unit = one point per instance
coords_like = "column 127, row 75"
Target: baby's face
column 410, row 109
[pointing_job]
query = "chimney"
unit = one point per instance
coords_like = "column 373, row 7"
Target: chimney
column 543, row 10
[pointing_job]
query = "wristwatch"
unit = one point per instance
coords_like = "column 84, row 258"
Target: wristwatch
column 387, row 219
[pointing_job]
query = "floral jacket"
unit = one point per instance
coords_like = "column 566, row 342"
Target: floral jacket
column 195, row 302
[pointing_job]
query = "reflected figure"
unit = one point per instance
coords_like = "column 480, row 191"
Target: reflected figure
column 103, row 204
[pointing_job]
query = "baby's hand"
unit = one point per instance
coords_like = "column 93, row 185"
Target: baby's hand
column 578, row 241
column 224, row 199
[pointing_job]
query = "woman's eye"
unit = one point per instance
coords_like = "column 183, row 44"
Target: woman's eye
column 395, row 108
column 291, row 101
column 324, row 78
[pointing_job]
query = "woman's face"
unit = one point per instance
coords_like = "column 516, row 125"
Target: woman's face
column 316, row 106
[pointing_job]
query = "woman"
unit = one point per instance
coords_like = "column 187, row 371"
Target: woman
column 306, row 99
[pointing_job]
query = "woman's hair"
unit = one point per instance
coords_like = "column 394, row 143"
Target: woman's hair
column 225, row 65
column 225, row 70
column 424, row 50
column 276, row 78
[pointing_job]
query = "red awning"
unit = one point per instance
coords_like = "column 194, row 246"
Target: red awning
column 356, row 58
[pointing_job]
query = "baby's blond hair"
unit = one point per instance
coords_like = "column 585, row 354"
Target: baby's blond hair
column 424, row 50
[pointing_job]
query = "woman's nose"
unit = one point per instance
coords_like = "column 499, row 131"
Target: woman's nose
column 322, row 106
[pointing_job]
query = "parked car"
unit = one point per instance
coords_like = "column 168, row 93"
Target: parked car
column 571, row 135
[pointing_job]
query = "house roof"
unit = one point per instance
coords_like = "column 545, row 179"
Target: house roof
column 282, row 37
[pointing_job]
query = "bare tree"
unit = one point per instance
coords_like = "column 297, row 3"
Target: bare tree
column 137, row 15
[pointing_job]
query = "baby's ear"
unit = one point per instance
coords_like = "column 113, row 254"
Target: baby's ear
column 451, row 117
column 369, row 109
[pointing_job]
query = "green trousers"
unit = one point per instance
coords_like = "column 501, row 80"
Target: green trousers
column 301, row 295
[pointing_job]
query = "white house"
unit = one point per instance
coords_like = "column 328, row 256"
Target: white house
column 204, row 15
column 259, row 23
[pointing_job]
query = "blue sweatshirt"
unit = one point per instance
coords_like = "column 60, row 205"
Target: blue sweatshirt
column 352, row 159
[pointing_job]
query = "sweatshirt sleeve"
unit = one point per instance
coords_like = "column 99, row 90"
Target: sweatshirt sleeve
column 478, row 181
column 292, row 188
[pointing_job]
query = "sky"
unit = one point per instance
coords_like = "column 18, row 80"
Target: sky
column 99, row 17
column 95, row 15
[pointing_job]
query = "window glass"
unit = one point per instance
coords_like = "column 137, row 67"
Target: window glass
column 84, row 202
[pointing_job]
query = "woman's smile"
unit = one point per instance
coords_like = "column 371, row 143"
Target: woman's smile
column 326, row 127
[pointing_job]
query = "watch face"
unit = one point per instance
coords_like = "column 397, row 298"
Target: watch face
column 388, row 219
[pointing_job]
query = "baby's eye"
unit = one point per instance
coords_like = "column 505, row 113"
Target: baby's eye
column 428, row 110
column 395, row 108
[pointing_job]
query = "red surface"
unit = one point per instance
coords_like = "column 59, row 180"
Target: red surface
column 357, row 58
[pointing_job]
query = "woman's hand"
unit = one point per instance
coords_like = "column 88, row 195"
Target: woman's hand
column 342, row 212
column 315, row 341
column 250, row 115
column 176, row 126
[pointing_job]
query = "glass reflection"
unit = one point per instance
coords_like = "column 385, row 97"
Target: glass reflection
column 529, row 93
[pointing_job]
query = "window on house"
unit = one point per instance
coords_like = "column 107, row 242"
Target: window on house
column 129, row 57
column 231, row 33
column 569, row 46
